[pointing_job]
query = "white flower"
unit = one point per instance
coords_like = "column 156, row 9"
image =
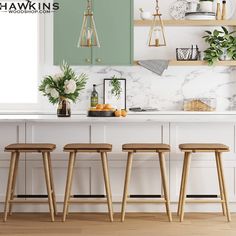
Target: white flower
column 54, row 93
column 57, row 77
column 48, row 89
column 69, row 86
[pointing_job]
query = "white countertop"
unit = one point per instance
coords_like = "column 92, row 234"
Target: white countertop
column 131, row 118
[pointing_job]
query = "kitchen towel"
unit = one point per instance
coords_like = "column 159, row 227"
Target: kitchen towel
column 156, row 66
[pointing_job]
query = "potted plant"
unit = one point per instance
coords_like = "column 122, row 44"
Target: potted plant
column 63, row 88
column 206, row 5
column 222, row 45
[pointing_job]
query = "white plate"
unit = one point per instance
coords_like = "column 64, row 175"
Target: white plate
column 230, row 8
column 178, row 9
column 200, row 17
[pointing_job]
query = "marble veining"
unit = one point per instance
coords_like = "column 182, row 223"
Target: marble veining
column 165, row 92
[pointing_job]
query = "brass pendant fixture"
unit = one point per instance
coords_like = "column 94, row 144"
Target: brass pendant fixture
column 88, row 35
column 157, row 33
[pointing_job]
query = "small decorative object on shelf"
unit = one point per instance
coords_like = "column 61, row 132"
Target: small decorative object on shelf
column 218, row 10
column 145, row 15
column 206, row 5
column 224, row 13
column 200, row 104
column 115, row 92
column 63, row 88
column 178, row 9
column 88, row 35
column 157, row 33
column 222, row 46
column 187, row 54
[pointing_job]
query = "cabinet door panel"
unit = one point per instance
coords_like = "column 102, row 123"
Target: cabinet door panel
column 114, row 20
column 145, row 178
column 67, row 27
column 36, row 178
column 118, row 134
column 203, row 179
column 58, row 133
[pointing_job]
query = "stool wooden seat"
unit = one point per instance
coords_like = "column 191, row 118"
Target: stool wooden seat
column 16, row 149
column 132, row 148
column 78, row 147
column 216, row 148
column 73, row 149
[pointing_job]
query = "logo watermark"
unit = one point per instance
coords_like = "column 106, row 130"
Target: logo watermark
column 28, row 6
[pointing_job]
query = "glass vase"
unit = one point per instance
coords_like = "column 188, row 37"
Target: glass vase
column 63, row 108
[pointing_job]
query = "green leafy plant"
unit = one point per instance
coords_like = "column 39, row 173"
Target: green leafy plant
column 221, row 43
column 116, row 87
column 66, row 85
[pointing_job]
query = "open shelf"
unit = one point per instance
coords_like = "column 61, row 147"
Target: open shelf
column 188, row 22
column 197, row 63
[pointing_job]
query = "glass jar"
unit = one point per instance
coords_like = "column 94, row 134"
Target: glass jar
column 63, row 108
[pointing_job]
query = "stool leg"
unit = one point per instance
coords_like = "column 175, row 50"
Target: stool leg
column 181, row 186
column 48, row 184
column 220, row 183
column 14, row 181
column 52, row 183
column 186, row 173
column 68, row 184
column 9, row 184
column 126, row 184
column 164, row 184
column 224, row 187
column 107, row 184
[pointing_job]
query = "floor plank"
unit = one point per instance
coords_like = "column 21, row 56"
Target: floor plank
column 135, row 225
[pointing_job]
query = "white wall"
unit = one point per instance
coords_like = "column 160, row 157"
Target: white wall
column 145, row 88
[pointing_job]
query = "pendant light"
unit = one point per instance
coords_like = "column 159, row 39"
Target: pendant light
column 157, row 34
column 88, row 35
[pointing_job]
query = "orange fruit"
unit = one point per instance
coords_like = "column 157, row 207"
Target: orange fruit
column 107, row 106
column 123, row 113
column 118, row 113
column 99, row 106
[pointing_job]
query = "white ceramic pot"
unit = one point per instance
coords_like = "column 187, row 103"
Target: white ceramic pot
column 146, row 15
column 206, row 6
column 224, row 56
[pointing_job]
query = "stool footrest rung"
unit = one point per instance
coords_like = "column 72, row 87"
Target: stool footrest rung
column 204, row 201
column 87, row 201
column 141, row 201
column 21, row 201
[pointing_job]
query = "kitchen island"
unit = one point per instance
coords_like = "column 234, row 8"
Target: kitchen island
column 165, row 127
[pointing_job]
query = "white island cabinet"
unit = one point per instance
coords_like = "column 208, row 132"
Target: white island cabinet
column 88, row 179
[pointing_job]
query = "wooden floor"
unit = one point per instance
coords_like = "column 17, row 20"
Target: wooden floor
column 135, row 224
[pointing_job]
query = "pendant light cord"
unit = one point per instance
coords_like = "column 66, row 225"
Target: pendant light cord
column 157, row 7
column 89, row 6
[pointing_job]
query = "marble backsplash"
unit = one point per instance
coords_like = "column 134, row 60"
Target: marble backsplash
column 165, row 92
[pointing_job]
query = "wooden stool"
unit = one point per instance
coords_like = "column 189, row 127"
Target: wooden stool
column 157, row 148
column 73, row 149
column 190, row 148
column 16, row 149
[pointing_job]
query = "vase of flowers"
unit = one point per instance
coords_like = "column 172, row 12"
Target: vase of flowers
column 63, row 88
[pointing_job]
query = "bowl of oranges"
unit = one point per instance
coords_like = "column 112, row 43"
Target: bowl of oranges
column 102, row 110
column 106, row 110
